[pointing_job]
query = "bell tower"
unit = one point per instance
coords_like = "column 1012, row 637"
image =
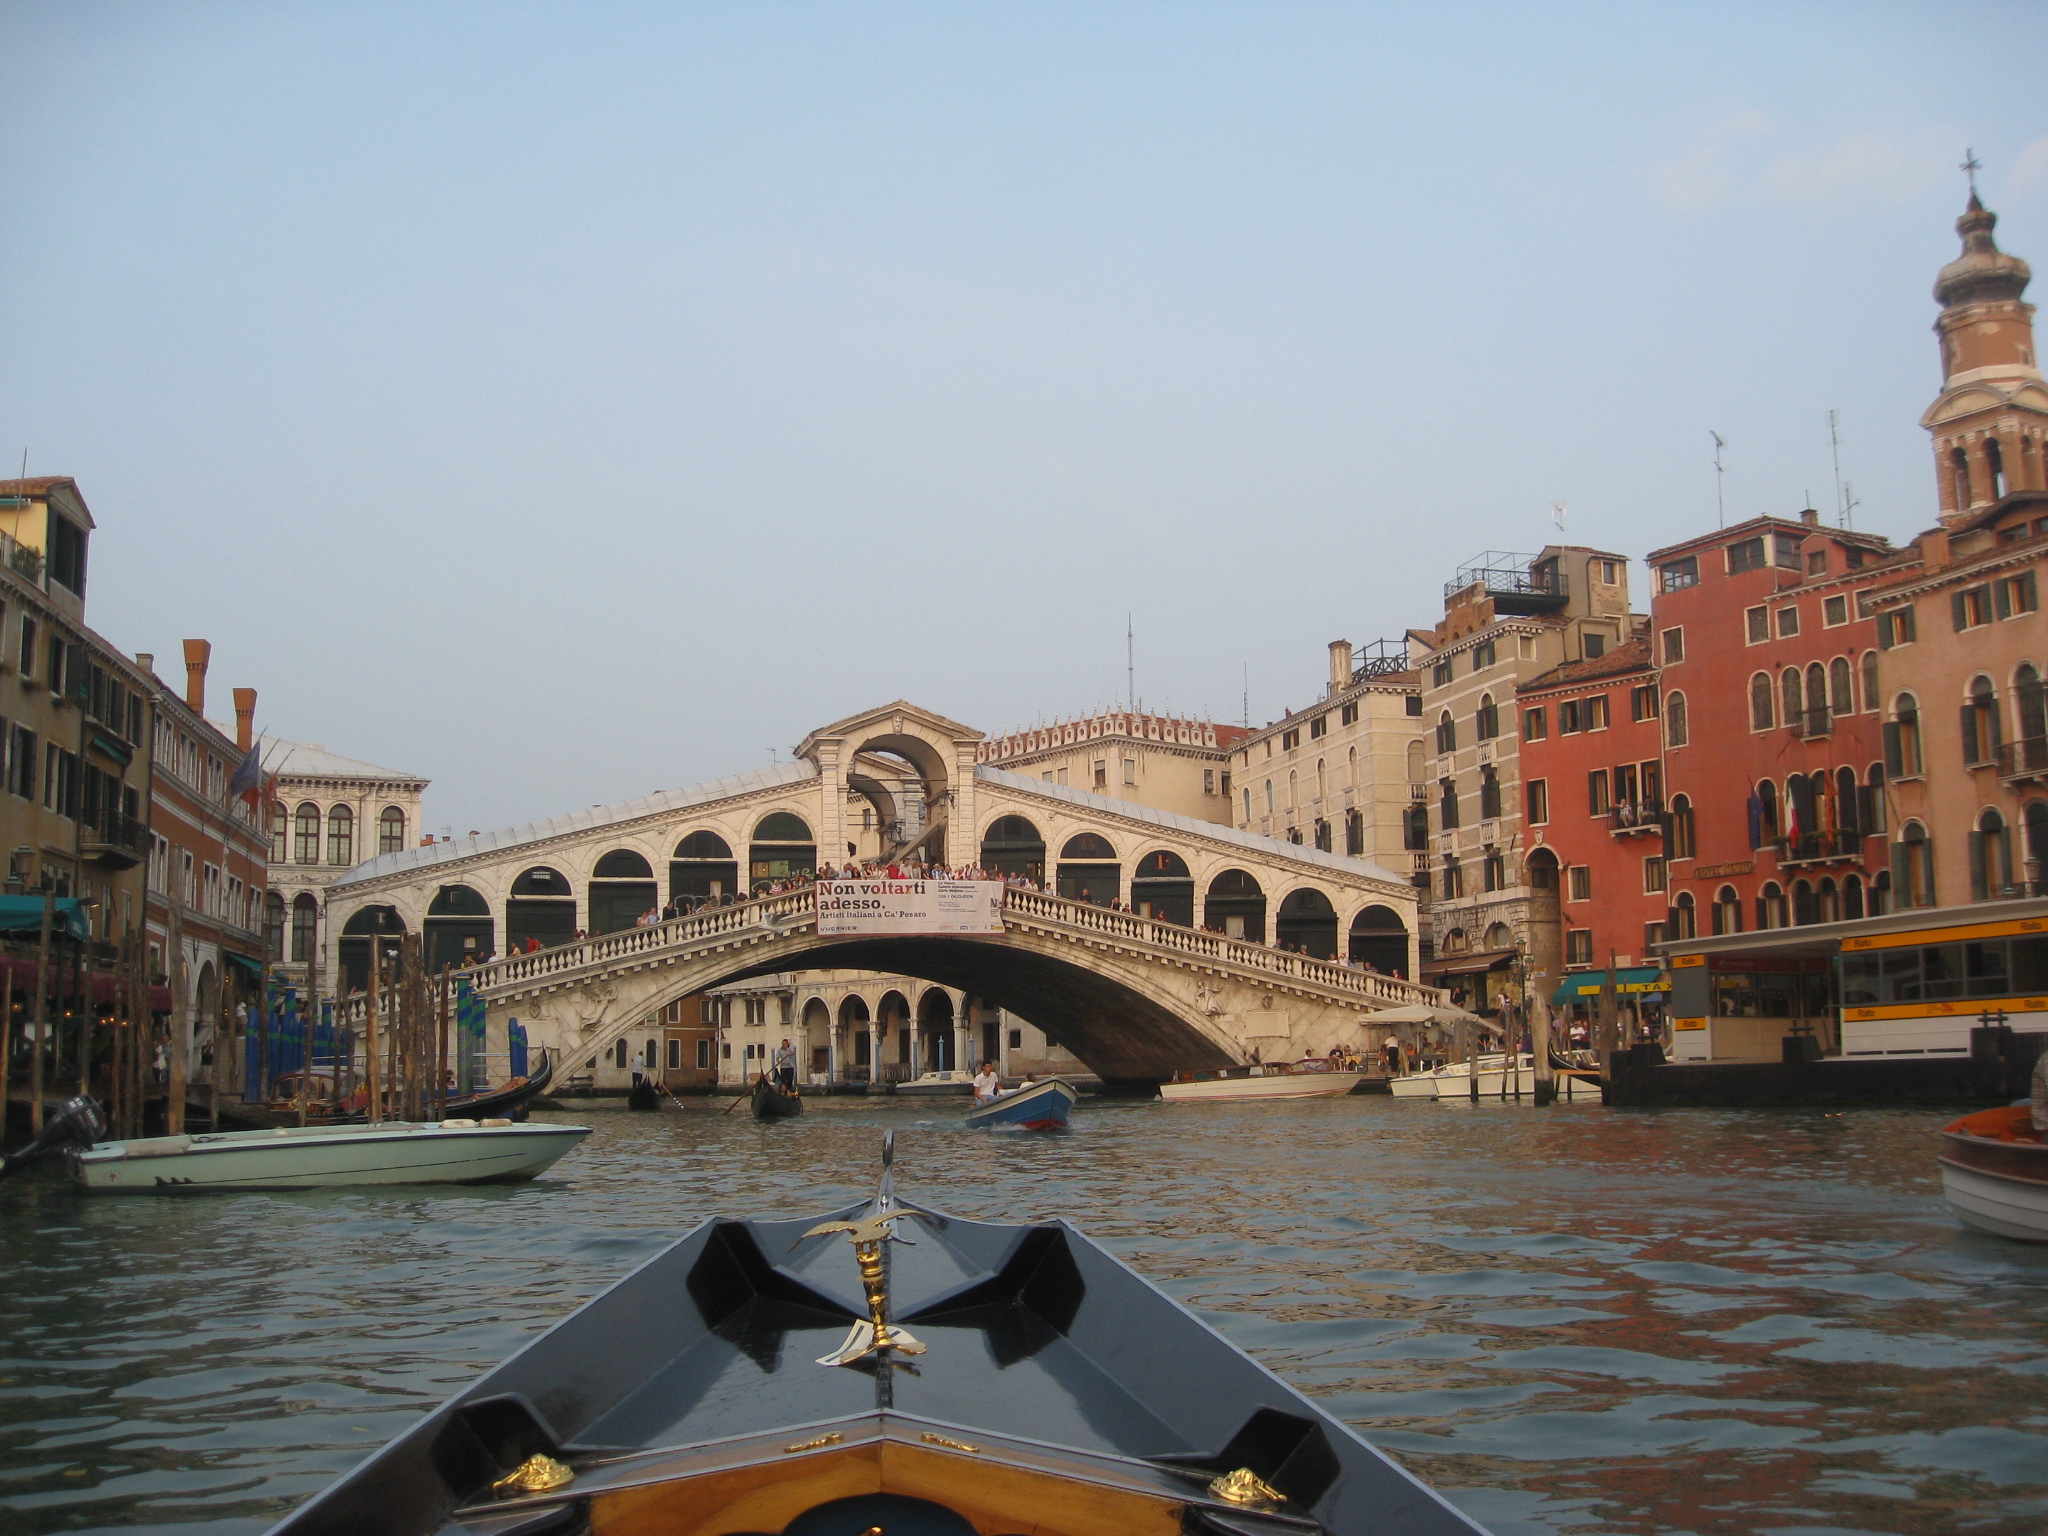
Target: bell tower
column 1990, row 421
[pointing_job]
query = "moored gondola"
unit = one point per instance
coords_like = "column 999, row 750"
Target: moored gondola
column 945, row 1376
column 774, row 1102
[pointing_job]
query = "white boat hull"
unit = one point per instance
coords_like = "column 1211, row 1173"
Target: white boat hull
column 1991, row 1203
column 320, row 1157
column 1279, row 1085
column 1453, row 1083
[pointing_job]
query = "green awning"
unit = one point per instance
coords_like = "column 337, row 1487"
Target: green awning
column 1581, row 986
column 243, row 963
column 24, row 914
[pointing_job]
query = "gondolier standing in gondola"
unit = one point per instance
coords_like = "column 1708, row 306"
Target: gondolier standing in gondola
column 785, row 1067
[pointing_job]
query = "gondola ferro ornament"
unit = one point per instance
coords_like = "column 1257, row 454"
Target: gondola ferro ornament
column 872, row 1334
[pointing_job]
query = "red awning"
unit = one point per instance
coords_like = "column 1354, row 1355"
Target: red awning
column 103, row 989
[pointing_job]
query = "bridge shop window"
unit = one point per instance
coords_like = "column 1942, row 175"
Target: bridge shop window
column 1013, row 845
column 457, row 928
column 1307, row 922
column 541, row 907
column 378, row 926
column 621, row 888
column 1162, row 887
column 702, row 869
column 782, row 849
column 1235, row 907
column 1379, row 939
column 1089, row 871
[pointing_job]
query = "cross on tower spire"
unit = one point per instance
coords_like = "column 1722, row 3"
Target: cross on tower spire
column 1970, row 167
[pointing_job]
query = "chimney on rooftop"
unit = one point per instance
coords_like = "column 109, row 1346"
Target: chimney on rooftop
column 1810, row 517
column 146, row 661
column 1340, row 664
column 197, row 654
column 245, row 717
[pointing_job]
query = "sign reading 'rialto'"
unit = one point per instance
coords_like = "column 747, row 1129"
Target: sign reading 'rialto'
column 869, row 908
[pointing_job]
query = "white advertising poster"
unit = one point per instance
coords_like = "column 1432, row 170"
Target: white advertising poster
column 870, row 907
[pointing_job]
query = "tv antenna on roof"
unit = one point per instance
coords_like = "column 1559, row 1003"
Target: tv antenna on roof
column 1558, row 512
column 1720, row 503
column 1843, row 500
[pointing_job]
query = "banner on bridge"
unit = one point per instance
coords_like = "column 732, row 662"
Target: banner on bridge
column 870, row 908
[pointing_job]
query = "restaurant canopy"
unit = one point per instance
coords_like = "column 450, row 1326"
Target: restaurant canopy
column 1583, row 986
column 24, row 914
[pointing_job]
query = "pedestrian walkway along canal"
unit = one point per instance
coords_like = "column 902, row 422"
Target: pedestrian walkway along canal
column 1568, row 1320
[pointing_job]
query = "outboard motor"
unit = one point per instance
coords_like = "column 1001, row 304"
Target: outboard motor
column 78, row 1123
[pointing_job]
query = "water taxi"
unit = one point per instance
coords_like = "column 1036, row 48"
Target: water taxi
column 1273, row 1080
column 1994, row 1172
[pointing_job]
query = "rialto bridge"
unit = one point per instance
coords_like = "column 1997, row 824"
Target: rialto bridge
column 1228, row 948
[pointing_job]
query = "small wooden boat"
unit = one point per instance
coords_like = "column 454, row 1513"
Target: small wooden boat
column 509, row 1099
column 946, row 1377
column 464, row 1151
column 1037, row 1108
column 774, row 1102
column 1276, row 1080
column 1994, row 1172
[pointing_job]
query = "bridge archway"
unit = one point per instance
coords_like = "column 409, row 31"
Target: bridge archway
column 855, row 1046
column 378, row 925
column 541, row 908
column 783, row 847
column 457, row 927
column 1380, row 939
column 1013, row 845
column 814, row 1042
column 1162, row 887
column 621, row 888
column 702, row 869
column 1236, row 907
column 1089, row 870
column 1307, row 922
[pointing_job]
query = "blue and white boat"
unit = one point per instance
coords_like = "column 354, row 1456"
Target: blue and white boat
column 1037, row 1108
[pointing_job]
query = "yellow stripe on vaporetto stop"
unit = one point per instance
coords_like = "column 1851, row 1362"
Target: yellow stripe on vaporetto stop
column 1956, row 935
column 1949, row 1010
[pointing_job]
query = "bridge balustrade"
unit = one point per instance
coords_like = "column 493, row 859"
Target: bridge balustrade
column 778, row 912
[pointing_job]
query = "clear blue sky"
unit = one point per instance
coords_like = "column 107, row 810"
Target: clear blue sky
column 566, row 402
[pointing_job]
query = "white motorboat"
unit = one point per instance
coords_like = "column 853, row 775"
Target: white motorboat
column 1278, row 1080
column 320, row 1157
column 1994, row 1173
column 935, row 1084
column 1497, row 1080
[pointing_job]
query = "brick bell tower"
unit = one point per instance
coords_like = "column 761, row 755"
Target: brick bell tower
column 1990, row 421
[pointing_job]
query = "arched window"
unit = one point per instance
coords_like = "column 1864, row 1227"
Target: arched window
column 306, row 834
column 305, row 927
column 1841, row 687
column 2037, row 844
column 1269, row 797
column 1489, row 793
column 1881, row 900
column 1163, row 888
column 391, row 830
column 1767, row 828
column 1981, row 735
column 1959, row 476
column 1770, row 906
column 1321, row 789
column 1805, row 905
column 1816, row 699
column 1852, row 897
column 1685, row 919
column 782, row 849
column 1830, row 900
column 1446, row 733
column 1727, row 910
column 702, row 869
column 1913, row 866
column 1235, row 907
column 1416, row 755
column 1448, row 801
column 273, row 920
column 1353, row 779
column 1013, row 845
column 1682, row 829
column 1902, row 738
column 280, row 827
column 1994, row 464
column 1088, row 870
column 1762, row 714
column 1488, row 725
column 1991, row 858
column 1874, row 813
column 341, row 836
column 1848, row 802
column 1293, row 797
column 1415, row 829
column 2030, row 707
column 1791, row 699
column 1677, row 730
column 1870, row 698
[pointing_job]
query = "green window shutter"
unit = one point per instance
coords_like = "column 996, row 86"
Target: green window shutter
column 1956, row 612
column 1884, row 631
column 2001, row 598
column 1972, row 748
column 1894, row 751
column 1980, row 880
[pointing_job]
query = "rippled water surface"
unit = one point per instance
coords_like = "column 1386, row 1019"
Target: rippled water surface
column 1568, row 1320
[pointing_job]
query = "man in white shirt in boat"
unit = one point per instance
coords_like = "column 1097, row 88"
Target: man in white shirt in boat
column 986, row 1084
column 785, row 1067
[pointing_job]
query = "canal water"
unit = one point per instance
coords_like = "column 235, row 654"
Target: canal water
column 1569, row 1320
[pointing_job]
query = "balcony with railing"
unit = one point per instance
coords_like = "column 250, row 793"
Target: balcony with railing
column 1637, row 818
column 1518, row 584
column 1811, row 724
column 114, row 841
column 2023, row 760
column 1842, row 847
